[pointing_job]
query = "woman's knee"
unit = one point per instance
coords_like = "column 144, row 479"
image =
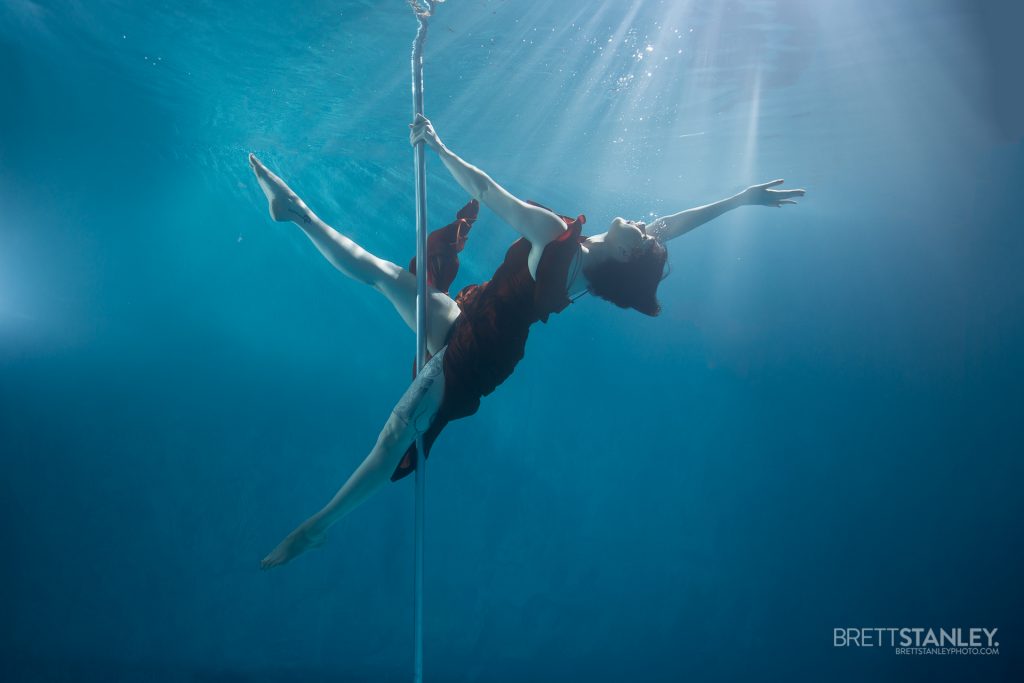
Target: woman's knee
column 398, row 432
column 391, row 279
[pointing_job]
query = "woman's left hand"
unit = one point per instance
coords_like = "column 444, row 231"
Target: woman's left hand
column 421, row 130
column 763, row 195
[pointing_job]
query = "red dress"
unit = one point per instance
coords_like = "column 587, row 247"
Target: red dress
column 488, row 339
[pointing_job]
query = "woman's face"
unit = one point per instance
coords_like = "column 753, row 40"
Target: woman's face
column 626, row 238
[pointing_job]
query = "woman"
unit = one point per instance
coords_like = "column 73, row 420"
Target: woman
column 477, row 339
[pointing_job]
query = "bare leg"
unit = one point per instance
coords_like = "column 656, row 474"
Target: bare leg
column 410, row 418
column 393, row 281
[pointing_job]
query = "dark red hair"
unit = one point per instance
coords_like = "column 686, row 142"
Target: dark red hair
column 633, row 283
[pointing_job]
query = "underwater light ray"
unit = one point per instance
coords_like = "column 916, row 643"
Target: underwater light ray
column 546, row 126
column 640, row 111
column 521, row 57
column 749, row 159
column 453, row 55
column 907, row 134
column 550, row 121
column 727, row 258
column 600, row 105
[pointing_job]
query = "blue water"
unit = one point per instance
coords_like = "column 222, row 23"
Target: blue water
column 821, row 430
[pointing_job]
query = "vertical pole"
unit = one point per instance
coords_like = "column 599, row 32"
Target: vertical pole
column 421, row 333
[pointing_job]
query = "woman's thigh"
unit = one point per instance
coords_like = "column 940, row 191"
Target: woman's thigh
column 399, row 286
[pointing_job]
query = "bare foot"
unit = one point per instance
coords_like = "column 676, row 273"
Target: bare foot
column 296, row 543
column 285, row 205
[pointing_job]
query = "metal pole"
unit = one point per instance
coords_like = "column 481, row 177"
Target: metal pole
column 422, row 14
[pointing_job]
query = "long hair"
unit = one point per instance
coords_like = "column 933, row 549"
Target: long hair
column 633, row 283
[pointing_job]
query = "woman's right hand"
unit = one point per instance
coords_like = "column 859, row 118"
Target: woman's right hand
column 763, row 195
column 421, row 130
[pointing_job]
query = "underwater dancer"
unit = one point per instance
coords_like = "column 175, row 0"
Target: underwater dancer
column 477, row 338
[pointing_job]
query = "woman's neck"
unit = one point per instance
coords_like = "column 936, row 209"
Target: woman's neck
column 593, row 252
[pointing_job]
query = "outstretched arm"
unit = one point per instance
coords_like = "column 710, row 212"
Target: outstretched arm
column 670, row 227
column 538, row 225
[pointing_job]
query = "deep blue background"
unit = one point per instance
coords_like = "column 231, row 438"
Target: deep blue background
column 821, row 430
